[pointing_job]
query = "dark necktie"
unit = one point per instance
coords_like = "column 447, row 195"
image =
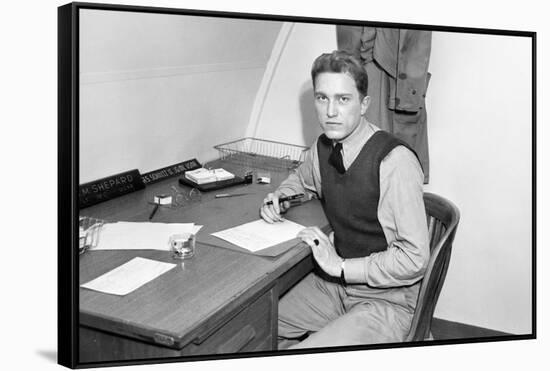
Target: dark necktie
column 335, row 158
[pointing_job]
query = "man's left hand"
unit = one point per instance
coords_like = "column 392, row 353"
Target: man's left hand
column 323, row 250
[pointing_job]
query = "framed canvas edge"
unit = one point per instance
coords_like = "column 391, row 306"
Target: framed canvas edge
column 67, row 158
column 68, row 175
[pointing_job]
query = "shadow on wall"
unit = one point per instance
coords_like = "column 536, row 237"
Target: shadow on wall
column 310, row 123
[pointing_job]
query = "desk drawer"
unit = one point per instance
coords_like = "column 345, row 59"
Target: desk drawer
column 252, row 329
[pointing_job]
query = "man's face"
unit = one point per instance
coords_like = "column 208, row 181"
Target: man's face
column 338, row 104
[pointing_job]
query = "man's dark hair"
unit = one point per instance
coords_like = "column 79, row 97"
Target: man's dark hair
column 340, row 61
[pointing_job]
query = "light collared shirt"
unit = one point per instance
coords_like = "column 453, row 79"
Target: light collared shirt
column 401, row 211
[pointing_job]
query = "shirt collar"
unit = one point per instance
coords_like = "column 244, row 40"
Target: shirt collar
column 359, row 136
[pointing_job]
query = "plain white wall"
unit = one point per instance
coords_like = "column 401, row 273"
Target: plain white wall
column 479, row 128
column 156, row 88
column 288, row 113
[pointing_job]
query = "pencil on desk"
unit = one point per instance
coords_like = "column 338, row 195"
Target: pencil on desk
column 154, row 211
column 223, row 195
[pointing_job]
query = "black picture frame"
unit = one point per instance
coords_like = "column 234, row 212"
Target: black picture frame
column 68, row 176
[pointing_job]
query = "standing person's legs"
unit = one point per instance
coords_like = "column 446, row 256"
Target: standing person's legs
column 308, row 307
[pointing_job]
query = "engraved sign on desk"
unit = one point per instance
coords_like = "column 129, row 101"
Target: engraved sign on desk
column 169, row 171
column 108, row 188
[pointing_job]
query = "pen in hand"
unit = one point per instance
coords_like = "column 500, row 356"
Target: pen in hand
column 154, row 211
column 287, row 198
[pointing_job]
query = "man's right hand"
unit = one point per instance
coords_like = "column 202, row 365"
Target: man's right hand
column 271, row 213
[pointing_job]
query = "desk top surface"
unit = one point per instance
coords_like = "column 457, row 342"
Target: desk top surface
column 187, row 300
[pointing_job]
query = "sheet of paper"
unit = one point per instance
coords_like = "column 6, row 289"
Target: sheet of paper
column 140, row 235
column 129, row 276
column 259, row 234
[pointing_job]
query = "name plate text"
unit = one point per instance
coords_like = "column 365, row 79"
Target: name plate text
column 108, row 188
column 170, row 171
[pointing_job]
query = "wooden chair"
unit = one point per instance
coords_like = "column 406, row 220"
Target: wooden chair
column 443, row 217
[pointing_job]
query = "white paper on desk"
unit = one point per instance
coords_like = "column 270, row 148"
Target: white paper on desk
column 141, row 235
column 129, row 276
column 258, row 235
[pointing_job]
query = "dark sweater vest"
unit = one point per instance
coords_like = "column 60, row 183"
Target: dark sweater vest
column 350, row 200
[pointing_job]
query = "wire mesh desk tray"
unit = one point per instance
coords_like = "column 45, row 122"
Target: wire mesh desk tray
column 89, row 230
column 263, row 154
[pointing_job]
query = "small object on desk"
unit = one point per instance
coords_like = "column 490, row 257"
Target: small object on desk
column 224, row 195
column 222, row 174
column 89, row 230
column 287, row 198
column 264, row 178
column 203, row 176
column 154, row 211
column 162, row 199
column 211, row 186
column 182, row 245
column 248, row 177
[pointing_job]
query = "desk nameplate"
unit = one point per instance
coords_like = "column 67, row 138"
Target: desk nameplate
column 170, row 171
column 110, row 187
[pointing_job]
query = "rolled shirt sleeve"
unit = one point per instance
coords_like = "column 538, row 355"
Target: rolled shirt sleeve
column 402, row 215
column 306, row 178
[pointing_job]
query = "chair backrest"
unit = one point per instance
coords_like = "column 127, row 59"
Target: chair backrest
column 443, row 217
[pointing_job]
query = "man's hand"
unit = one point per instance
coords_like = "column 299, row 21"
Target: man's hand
column 272, row 213
column 323, row 250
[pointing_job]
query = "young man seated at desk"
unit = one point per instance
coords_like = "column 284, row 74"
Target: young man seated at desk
column 370, row 185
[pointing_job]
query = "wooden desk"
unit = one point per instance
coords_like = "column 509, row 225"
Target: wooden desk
column 221, row 301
